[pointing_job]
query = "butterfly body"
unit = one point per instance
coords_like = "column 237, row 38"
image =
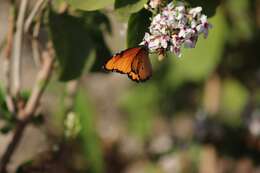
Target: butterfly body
column 133, row 61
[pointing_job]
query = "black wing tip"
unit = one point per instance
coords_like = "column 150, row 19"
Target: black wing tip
column 139, row 80
column 128, row 74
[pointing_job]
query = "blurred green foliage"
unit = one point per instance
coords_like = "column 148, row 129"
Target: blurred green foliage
column 89, row 5
column 140, row 120
column 124, row 8
column 241, row 20
column 233, row 101
column 90, row 141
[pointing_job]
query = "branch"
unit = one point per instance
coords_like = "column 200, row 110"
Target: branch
column 30, row 108
column 18, row 48
column 7, row 60
column 35, row 44
column 34, row 12
column 40, row 85
column 11, row 147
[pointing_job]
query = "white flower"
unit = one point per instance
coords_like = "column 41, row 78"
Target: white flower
column 157, row 18
column 193, row 24
column 159, row 25
column 154, row 44
column 164, row 41
column 190, row 43
column 195, row 11
column 186, row 33
column 176, row 51
column 179, row 16
column 204, row 19
column 176, row 41
column 204, row 26
column 146, row 39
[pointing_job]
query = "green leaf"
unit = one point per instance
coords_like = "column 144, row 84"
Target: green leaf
column 124, row 8
column 25, row 94
column 75, row 38
column 4, row 112
column 89, row 5
column 96, row 20
column 138, row 24
column 72, row 44
column 102, row 53
column 90, row 142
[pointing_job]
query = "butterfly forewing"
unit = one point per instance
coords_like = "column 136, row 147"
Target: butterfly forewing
column 134, row 62
column 122, row 62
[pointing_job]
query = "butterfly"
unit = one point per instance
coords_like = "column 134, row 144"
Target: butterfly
column 134, row 62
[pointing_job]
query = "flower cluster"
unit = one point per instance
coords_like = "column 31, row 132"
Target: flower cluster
column 175, row 26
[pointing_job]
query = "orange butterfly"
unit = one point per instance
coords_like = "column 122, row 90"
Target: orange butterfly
column 134, row 62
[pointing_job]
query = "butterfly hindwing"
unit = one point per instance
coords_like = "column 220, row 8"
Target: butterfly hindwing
column 142, row 66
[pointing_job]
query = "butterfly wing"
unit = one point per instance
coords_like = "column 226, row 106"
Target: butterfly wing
column 133, row 76
column 134, row 62
column 122, row 61
column 142, row 66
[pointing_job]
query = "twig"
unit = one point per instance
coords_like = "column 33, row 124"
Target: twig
column 18, row 48
column 30, row 108
column 40, row 84
column 35, row 44
column 36, row 15
column 32, row 15
column 7, row 60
